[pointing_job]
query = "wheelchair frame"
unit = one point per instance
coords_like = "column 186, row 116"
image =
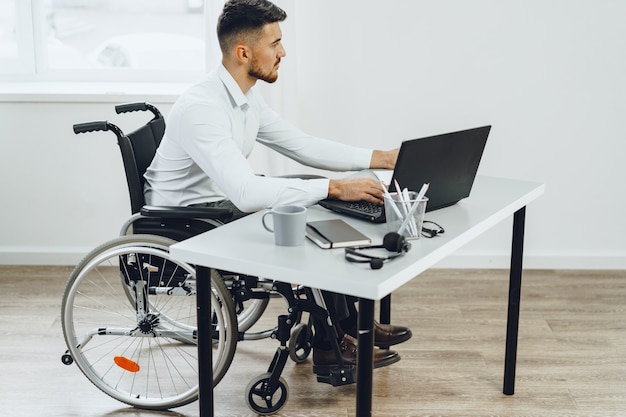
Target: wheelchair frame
column 154, row 295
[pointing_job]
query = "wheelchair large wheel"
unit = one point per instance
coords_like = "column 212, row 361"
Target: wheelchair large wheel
column 129, row 321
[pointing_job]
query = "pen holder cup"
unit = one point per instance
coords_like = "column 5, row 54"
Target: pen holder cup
column 405, row 214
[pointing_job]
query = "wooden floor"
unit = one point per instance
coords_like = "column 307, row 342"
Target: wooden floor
column 571, row 357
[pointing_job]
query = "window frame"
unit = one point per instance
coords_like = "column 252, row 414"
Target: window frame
column 31, row 64
column 23, row 64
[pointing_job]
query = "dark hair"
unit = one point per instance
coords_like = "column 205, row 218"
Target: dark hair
column 245, row 18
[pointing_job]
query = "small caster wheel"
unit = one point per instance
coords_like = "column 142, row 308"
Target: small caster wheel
column 263, row 399
column 300, row 343
column 67, row 359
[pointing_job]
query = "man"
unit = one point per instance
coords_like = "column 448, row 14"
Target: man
column 212, row 128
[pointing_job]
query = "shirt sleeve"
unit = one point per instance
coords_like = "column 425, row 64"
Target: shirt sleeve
column 209, row 142
column 315, row 152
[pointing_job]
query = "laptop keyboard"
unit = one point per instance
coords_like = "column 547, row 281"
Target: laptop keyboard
column 366, row 207
column 359, row 209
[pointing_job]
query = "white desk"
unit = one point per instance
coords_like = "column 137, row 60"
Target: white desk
column 246, row 247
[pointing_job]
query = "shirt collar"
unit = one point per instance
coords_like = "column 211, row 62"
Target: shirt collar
column 232, row 87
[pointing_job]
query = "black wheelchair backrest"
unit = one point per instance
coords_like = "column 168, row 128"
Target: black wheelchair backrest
column 138, row 149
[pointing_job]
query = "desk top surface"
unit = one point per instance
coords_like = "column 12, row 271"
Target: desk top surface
column 244, row 246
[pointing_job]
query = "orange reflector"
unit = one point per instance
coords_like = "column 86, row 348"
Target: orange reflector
column 126, row 364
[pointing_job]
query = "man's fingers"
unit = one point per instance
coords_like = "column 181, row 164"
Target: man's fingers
column 375, row 192
column 355, row 189
column 374, row 195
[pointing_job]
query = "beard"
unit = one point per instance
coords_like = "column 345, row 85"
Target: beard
column 258, row 73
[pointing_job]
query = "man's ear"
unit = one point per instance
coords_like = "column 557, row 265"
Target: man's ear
column 242, row 53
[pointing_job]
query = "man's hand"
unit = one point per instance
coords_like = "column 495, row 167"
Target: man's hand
column 384, row 159
column 356, row 189
column 368, row 189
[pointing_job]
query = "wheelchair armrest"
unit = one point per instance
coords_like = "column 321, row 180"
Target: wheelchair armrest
column 172, row 212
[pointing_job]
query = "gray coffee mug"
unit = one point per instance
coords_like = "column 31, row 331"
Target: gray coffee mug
column 289, row 224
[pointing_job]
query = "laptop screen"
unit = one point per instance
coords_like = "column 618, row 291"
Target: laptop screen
column 447, row 162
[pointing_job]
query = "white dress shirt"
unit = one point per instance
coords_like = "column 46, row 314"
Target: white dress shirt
column 211, row 131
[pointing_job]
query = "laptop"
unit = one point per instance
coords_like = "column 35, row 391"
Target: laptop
column 448, row 162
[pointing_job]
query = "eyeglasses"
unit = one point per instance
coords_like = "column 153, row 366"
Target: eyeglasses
column 431, row 229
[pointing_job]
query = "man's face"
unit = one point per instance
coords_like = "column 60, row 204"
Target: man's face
column 266, row 54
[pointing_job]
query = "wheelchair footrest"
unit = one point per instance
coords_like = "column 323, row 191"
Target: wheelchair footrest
column 342, row 375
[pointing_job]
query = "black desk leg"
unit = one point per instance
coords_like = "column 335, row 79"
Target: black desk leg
column 515, row 284
column 205, row 350
column 365, row 358
column 385, row 310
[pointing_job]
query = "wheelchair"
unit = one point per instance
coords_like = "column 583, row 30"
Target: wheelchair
column 129, row 308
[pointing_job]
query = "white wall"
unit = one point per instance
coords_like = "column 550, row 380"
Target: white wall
column 62, row 194
column 547, row 75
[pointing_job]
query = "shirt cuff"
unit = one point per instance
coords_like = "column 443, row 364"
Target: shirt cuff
column 319, row 189
column 362, row 159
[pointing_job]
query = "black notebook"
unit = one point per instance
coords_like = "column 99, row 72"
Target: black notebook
column 335, row 233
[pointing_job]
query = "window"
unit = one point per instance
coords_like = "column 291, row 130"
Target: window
column 13, row 37
column 129, row 40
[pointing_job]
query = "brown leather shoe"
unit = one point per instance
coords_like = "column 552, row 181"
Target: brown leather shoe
column 386, row 335
column 325, row 360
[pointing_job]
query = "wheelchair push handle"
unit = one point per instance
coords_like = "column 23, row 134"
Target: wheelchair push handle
column 91, row 127
column 137, row 106
column 102, row 125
